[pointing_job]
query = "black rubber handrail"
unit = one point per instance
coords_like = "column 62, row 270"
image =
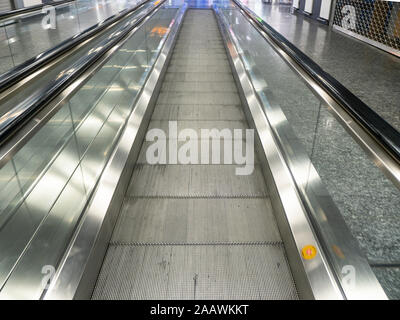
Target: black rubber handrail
column 11, row 121
column 18, row 12
column 25, row 69
column 375, row 125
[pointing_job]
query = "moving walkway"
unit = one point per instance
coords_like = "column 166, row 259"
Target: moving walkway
column 66, row 59
column 89, row 211
column 31, row 31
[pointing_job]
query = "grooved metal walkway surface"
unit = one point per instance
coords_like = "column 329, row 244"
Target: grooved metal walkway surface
column 196, row 231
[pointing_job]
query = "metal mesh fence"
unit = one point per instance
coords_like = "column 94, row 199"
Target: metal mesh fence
column 375, row 20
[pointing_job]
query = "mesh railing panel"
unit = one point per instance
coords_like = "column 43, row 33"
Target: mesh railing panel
column 378, row 21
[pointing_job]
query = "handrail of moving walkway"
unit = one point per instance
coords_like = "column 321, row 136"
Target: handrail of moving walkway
column 374, row 124
column 31, row 105
column 28, row 67
column 19, row 12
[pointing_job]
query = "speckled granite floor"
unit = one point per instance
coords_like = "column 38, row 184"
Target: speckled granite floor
column 370, row 73
column 390, row 280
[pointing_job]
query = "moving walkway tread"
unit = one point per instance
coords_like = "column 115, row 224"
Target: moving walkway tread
column 196, row 231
